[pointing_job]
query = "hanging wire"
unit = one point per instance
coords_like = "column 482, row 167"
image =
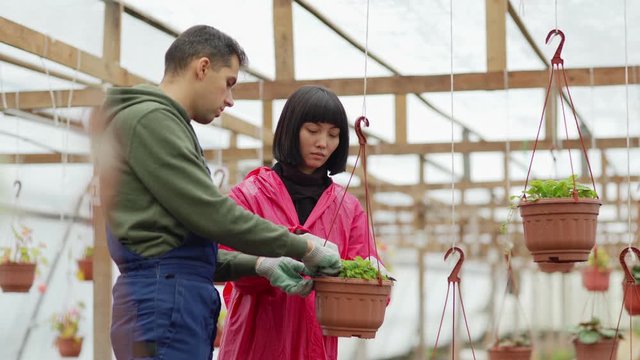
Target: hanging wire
column 453, row 175
column 366, row 62
column 556, row 12
column 626, row 93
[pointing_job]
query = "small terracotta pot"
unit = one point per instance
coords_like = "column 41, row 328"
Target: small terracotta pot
column 594, row 279
column 69, row 347
column 86, row 267
column 560, row 230
column 550, row 267
column 598, row 351
column 510, row 353
column 351, row 307
column 631, row 298
column 17, row 277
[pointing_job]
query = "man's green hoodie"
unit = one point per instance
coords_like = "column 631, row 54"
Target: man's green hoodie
column 164, row 190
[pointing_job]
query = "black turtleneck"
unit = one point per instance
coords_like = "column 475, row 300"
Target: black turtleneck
column 304, row 189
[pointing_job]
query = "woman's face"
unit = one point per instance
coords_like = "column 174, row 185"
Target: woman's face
column 317, row 142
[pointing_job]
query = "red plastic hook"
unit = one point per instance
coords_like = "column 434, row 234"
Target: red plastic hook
column 362, row 139
column 556, row 57
column 453, row 277
column 628, row 276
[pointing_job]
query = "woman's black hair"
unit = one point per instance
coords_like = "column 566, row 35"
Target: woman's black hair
column 314, row 104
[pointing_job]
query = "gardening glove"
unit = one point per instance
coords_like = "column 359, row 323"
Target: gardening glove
column 383, row 271
column 321, row 260
column 284, row 273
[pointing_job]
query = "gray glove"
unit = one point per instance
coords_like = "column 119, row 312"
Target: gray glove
column 322, row 260
column 284, row 273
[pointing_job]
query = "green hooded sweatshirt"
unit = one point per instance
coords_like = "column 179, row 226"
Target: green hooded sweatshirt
column 165, row 191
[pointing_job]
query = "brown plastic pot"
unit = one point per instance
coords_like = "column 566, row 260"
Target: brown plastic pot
column 510, row 353
column 86, row 267
column 631, row 298
column 598, row 351
column 351, row 307
column 551, row 267
column 560, row 230
column 17, row 277
column 69, row 347
column 594, row 279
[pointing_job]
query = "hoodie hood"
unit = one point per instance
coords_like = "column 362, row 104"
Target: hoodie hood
column 120, row 99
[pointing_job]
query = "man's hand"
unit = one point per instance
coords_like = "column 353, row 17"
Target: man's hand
column 321, row 260
column 284, row 273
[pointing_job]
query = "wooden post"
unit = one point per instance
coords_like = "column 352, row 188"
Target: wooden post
column 267, row 132
column 496, row 18
column 102, row 273
column 283, row 39
column 401, row 118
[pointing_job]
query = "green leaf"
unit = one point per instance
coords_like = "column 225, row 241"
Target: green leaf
column 589, row 337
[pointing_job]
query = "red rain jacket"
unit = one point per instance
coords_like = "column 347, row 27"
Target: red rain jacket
column 264, row 322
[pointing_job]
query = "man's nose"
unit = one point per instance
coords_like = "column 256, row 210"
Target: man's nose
column 228, row 101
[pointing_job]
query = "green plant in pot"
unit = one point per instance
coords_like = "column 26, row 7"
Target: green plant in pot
column 85, row 265
column 595, row 276
column 559, row 219
column 513, row 346
column 595, row 342
column 67, row 324
column 353, row 303
column 18, row 263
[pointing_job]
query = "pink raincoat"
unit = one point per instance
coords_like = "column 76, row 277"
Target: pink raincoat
column 262, row 321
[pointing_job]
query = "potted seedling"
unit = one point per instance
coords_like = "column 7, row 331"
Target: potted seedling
column 85, row 265
column 18, row 263
column 66, row 324
column 515, row 346
column 595, row 277
column 354, row 303
column 559, row 220
column 219, row 327
column 592, row 341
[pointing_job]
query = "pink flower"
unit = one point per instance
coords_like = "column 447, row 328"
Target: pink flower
column 42, row 288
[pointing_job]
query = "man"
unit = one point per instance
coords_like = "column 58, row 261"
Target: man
column 165, row 216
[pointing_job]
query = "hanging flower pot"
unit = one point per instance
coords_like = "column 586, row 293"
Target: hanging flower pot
column 510, row 353
column 560, row 230
column 85, row 267
column 592, row 341
column 69, row 347
column 597, row 351
column 551, row 267
column 17, row 277
column 630, row 286
column 351, row 307
column 594, row 279
column 354, row 303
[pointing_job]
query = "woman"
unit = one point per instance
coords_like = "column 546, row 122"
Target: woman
column 311, row 140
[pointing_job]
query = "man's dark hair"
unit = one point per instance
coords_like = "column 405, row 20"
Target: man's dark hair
column 314, row 104
column 202, row 41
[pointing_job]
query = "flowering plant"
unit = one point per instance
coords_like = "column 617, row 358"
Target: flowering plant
column 24, row 251
column 66, row 322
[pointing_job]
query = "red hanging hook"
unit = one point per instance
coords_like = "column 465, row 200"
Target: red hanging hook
column 362, row 139
column 628, row 277
column 454, row 276
column 556, row 57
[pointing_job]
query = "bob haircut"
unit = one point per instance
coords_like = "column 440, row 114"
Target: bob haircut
column 313, row 104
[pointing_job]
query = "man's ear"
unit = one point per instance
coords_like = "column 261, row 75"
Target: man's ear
column 202, row 66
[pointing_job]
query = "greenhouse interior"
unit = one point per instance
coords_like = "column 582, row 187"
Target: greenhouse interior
column 465, row 118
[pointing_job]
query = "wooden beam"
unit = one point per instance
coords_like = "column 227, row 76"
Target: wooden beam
column 28, row 100
column 401, row 118
column 112, row 31
column 26, row 65
column 23, row 38
column 524, row 79
column 45, row 158
column 267, row 136
column 283, row 39
column 496, row 23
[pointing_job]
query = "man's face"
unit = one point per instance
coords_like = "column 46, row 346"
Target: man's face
column 214, row 91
